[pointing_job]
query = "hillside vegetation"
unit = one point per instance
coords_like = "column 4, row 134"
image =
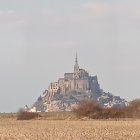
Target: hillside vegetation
column 90, row 109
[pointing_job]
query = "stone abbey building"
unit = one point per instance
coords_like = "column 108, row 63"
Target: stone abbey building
column 78, row 81
column 72, row 88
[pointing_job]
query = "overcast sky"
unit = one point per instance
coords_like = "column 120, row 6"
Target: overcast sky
column 39, row 39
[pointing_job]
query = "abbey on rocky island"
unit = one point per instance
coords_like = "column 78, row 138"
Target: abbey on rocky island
column 71, row 89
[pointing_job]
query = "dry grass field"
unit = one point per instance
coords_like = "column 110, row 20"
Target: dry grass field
column 11, row 129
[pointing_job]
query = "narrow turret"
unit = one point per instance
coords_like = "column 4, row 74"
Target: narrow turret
column 76, row 67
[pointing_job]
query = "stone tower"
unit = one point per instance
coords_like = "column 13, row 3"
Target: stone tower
column 76, row 69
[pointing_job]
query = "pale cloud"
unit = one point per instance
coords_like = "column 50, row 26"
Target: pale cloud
column 47, row 12
column 135, row 14
column 9, row 12
column 89, row 12
column 9, row 16
column 103, row 9
column 96, row 8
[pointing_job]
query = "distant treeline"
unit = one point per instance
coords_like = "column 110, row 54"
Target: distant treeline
column 91, row 109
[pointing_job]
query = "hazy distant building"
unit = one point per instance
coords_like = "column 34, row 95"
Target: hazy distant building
column 72, row 88
column 79, row 81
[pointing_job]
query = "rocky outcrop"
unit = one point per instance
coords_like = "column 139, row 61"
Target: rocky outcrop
column 58, row 102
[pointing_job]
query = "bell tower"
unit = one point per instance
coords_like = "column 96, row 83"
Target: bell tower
column 76, row 69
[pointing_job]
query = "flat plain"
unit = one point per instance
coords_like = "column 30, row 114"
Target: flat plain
column 11, row 129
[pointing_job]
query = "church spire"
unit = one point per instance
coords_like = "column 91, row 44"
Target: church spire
column 76, row 67
column 76, row 60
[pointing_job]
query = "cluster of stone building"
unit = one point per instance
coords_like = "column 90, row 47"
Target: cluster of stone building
column 73, row 87
column 78, row 81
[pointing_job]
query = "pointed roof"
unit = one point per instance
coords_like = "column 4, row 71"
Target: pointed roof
column 76, row 62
